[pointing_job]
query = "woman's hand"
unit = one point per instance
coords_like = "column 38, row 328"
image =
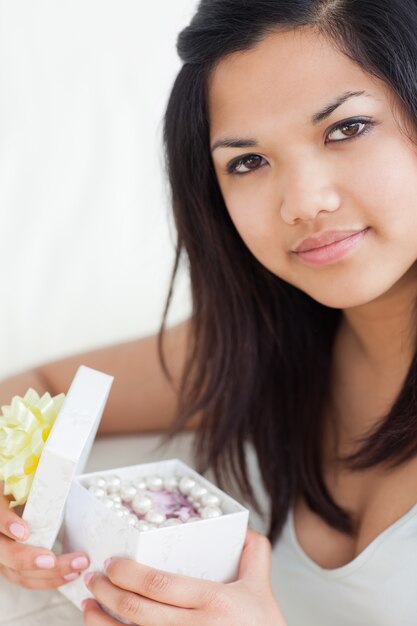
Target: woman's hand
column 33, row 568
column 148, row 597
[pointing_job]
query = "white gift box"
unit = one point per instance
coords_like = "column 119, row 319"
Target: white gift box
column 205, row 548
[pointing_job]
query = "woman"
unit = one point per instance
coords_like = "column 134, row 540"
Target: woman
column 291, row 155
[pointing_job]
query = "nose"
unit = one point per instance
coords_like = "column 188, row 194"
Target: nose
column 307, row 193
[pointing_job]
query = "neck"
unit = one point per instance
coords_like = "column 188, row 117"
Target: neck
column 381, row 332
column 372, row 355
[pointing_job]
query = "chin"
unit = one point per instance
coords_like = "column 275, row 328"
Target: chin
column 339, row 296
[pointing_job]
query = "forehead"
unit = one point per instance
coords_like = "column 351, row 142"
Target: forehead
column 286, row 77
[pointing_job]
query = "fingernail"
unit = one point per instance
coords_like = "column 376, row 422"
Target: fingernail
column 45, row 562
column 17, row 530
column 72, row 576
column 88, row 577
column 106, row 564
column 79, row 563
column 83, row 603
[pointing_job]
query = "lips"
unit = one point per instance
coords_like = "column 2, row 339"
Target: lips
column 325, row 239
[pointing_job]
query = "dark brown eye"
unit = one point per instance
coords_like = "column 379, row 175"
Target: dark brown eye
column 349, row 130
column 251, row 162
column 245, row 164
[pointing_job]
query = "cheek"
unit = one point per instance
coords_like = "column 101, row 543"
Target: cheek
column 389, row 192
column 255, row 214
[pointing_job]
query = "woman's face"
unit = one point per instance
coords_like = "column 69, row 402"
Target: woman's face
column 292, row 177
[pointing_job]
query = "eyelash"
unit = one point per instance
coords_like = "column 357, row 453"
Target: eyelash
column 231, row 167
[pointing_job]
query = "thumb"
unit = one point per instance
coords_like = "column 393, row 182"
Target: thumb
column 255, row 562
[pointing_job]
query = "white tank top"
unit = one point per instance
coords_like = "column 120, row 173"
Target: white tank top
column 377, row 588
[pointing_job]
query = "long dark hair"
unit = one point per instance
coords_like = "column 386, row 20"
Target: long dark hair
column 259, row 362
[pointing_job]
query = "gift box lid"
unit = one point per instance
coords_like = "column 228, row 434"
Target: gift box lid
column 65, row 454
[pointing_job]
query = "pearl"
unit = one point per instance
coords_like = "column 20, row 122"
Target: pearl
column 186, row 484
column 98, row 492
column 128, row 492
column 142, row 513
column 197, row 492
column 154, row 483
column 209, row 512
column 171, row 483
column 155, row 517
column 113, row 484
column 123, row 509
column 99, row 482
column 142, row 504
column 210, row 499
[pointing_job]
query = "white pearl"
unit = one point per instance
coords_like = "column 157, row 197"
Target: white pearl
column 173, row 521
column 171, row 483
column 99, row 482
column 141, row 484
column 115, row 497
column 119, row 512
column 154, row 483
column 197, row 492
column 210, row 499
column 155, row 517
column 98, row 492
column 128, row 492
column 124, row 509
column 186, row 484
column 108, row 502
column 141, row 525
column 113, row 484
column 141, row 504
column 209, row 512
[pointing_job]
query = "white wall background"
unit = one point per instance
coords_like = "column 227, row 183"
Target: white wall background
column 85, row 245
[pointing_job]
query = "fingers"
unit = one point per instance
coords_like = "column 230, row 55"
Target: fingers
column 19, row 556
column 133, row 607
column 255, row 562
column 68, row 568
column 95, row 616
column 31, row 582
column 174, row 589
column 37, row 568
column 70, row 564
column 11, row 524
column 31, row 567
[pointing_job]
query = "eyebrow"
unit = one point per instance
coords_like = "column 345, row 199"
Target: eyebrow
column 320, row 116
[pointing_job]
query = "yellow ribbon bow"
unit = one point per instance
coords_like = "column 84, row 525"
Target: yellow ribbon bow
column 24, row 427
